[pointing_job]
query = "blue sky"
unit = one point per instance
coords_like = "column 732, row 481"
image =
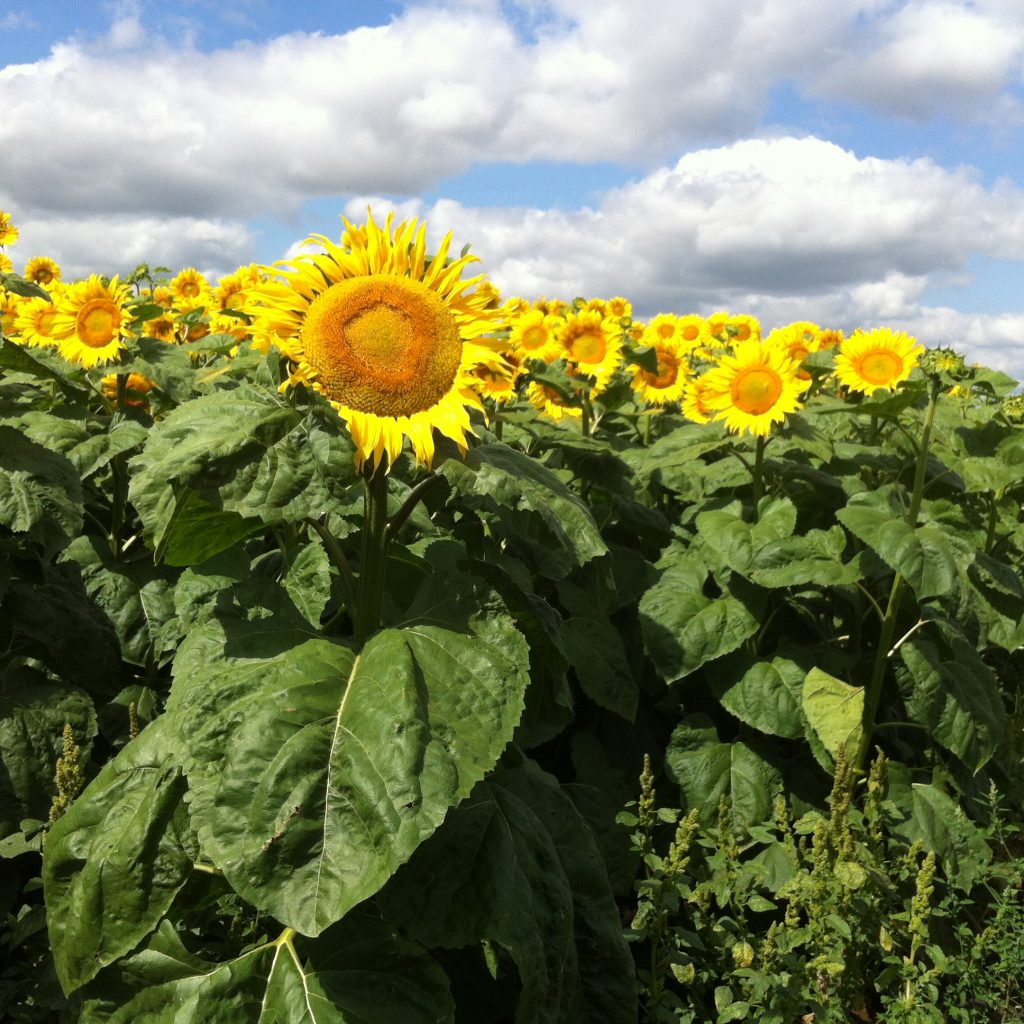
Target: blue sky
column 856, row 163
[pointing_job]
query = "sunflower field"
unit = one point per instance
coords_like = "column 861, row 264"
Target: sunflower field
column 376, row 648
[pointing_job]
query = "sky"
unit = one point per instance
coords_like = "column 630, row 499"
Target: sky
column 856, row 163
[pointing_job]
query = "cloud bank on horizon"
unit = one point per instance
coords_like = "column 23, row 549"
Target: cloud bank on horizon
column 850, row 163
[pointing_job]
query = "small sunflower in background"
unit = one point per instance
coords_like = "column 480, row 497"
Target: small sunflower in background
column 137, row 386
column 8, row 232
column 694, row 405
column 384, row 332
column 6, row 265
column 533, row 336
column 42, row 270
column 552, row 403
column 91, row 322
column 9, row 310
column 754, row 388
column 34, row 322
column 869, row 360
column 740, row 327
column 666, row 384
column 191, row 288
column 799, row 340
column 592, row 345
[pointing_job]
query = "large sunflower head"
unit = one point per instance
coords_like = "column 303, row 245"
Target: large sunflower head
column 91, row 321
column 34, row 322
column 754, row 388
column 386, row 333
column 881, row 358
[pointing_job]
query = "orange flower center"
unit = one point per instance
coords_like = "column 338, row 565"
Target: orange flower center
column 534, row 337
column 879, row 367
column 743, row 331
column 382, row 344
column 756, row 390
column 668, row 372
column 587, row 347
column 97, row 322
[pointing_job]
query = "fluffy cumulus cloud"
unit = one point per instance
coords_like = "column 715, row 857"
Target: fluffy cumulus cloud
column 786, row 229
column 131, row 146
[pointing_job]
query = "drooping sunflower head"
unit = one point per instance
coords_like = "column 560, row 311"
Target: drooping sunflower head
column 552, row 403
column 881, row 358
column 384, row 332
column 91, row 321
column 42, row 270
column 753, row 388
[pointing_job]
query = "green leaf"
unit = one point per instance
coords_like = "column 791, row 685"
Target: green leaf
column 597, row 653
column 315, row 772
column 683, row 628
column 834, row 710
column 40, row 492
column 308, row 580
column 114, row 861
column 242, row 456
column 33, row 712
column 955, row 694
column 137, row 598
column 17, row 358
column 767, row 696
column 357, row 973
column 520, row 491
column 515, row 864
column 705, row 768
column 922, row 554
column 738, row 542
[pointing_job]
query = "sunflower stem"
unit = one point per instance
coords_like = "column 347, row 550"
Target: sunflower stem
column 873, row 693
column 757, row 472
column 587, row 414
column 375, row 553
column 339, row 561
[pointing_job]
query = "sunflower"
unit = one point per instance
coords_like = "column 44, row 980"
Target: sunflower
column 592, row 344
column 552, row 403
column 620, row 308
column 136, row 386
column 881, row 358
column 42, row 270
column 6, row 266
column 34, row 322
column 9, row 310
column 718, row 325
column 753, row 388
column 533, row 335
column 741, row 327
column 664, row 327
column 387, row 336
column 91, row 321
column 192, row 287
column 798, row 340
column 667, row 384
column 694, row 405
column 496, row 379
column 8, row 232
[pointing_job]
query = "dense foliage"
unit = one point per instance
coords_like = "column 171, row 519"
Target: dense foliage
column 287, row 739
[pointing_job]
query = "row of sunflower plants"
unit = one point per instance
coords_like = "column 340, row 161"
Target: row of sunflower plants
column 343, row 601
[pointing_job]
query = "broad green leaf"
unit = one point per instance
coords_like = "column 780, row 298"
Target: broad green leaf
column 705, row 769
column 40, row 492
column 515, row 864
column 937, row 820
column 33, row 712
column 192, row 530
column 737, row 542
column 955, row 694
column 114, row 861
column 43, row 366
column 521, row 491
column 683, row 629
column 766, row 696
column 812, row 559
column 246, row 453
column 921, row 554
column 308, row 580
column 597, row 653
column 357, row 973
column 137, row 598
column 315, row 772
column 834, row 710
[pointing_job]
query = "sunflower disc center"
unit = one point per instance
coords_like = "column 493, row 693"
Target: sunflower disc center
column 880, row 367
column 755, row 391
column 97, row 321
column 668, row 372
column 587, row 347
column 382, row 344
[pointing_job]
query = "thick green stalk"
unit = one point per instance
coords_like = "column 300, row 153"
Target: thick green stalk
column 757, row 472
column 375, row 553
column 873, row 693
